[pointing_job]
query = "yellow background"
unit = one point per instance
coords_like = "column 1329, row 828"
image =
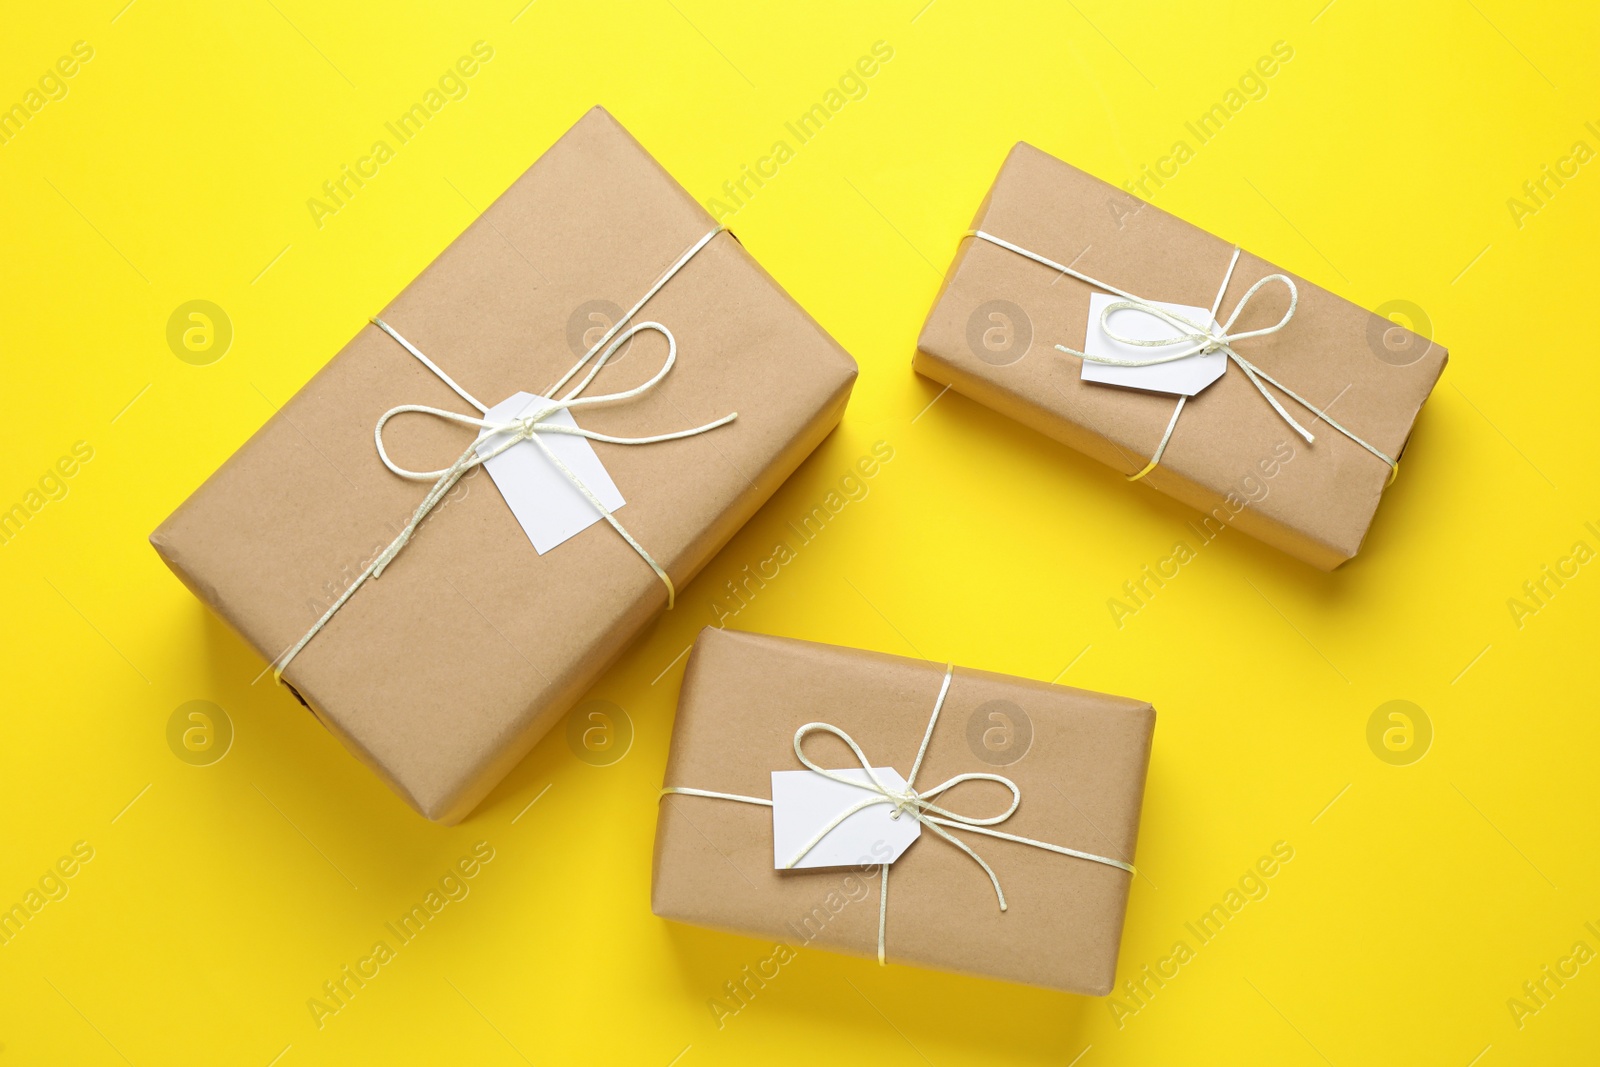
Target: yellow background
column 221, row 897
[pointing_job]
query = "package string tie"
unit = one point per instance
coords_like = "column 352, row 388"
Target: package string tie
column 528, row 427
column 908, row 801
column 1195, row 338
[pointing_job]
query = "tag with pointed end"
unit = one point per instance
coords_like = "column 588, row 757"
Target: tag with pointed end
column 803, row 802
column 1181, row 377
column 547, row 506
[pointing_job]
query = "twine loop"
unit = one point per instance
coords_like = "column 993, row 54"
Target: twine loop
column 1202, row 338
column 908, row 801
column 530, row 427
column 1197, row 338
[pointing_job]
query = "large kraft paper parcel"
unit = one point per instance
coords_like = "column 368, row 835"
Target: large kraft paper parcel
column 1078, row 759
column 443, row 672
column 993, row 331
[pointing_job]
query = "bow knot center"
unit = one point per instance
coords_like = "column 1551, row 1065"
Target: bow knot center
column 906, row 801
column 530, row 424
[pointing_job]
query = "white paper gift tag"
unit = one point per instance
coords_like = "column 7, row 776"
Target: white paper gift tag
column 1182, row 377
column 803, row 802
column 547, row 506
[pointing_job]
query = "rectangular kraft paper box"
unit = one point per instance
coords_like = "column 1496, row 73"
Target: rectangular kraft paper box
column 445, row 671
column 1079, row 759
column 992, row 334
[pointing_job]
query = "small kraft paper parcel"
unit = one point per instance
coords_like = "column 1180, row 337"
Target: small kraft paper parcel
column 912, row 811
column 458, row 524
column 1177, row 358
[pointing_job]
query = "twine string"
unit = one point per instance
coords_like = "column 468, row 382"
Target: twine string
column 1194, row 338
column 527, row 427
column 909, row 801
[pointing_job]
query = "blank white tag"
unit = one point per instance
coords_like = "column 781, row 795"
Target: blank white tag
column 547, row 506
column 1181, row 377
column 803, row 802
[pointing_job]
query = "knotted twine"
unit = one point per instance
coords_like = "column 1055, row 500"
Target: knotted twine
column 1197, row 338
column 527, row 427
column 909, row 801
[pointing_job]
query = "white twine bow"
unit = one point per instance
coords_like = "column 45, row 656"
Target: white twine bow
column 1196, row 338
column 528, row 427
column 909, row 801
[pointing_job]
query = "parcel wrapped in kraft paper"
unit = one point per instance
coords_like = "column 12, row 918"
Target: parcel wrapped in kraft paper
column 890, row 807
column 575, row 406
column 1173, row 356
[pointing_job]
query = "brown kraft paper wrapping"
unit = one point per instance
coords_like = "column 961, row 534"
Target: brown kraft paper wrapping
column 1230, row 455
column 1079, row 760
column 445, row 671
